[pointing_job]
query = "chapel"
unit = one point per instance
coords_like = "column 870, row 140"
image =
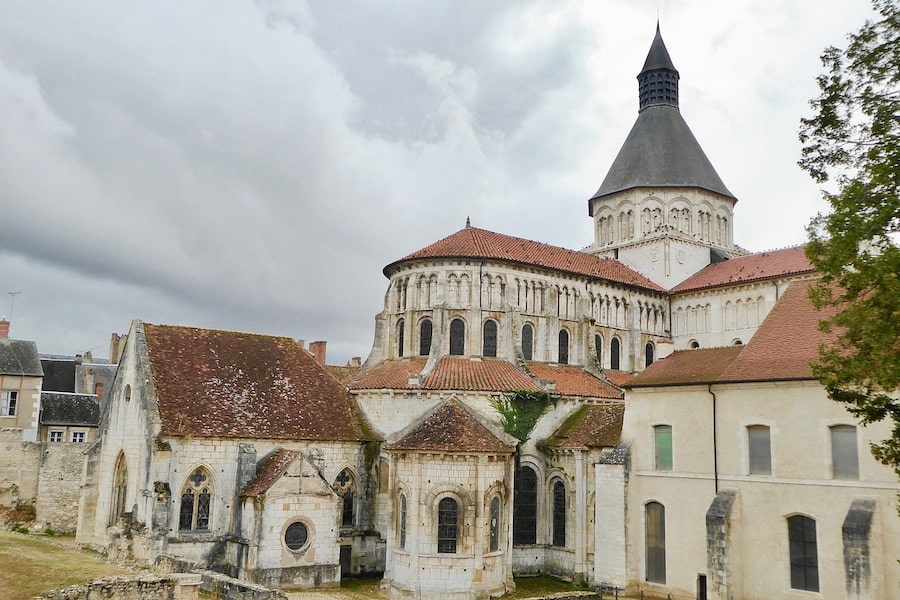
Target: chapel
column 638, row 415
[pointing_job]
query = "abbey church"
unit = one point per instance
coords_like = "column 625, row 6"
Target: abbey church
column 639, row 415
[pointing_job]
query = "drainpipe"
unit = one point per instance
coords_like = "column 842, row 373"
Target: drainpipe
column 715, row 444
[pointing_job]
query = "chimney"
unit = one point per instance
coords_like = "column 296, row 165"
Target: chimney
column 356, row 361
column 664, row 348
column 116, row 347
column 317, row 349
column 4, row 328
column 98, row 389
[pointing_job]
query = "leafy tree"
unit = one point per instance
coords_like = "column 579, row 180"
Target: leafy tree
column 853, row 140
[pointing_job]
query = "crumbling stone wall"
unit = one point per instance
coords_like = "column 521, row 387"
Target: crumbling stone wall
column 169, row 587
column 19, row 468
column 856, row 532
column 59, row 487
column 718, row 530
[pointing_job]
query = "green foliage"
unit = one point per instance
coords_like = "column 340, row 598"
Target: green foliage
column 853, row 140
column 520, row 411
column 49, row 532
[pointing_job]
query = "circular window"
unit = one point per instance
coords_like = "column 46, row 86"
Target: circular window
column 296, row 535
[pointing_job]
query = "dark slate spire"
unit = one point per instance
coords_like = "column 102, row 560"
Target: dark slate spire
column 658, row 80
column 660, row 150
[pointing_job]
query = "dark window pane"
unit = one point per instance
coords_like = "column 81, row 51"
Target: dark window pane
column 563, row 347
column 525, row 507
column 489, row 343
column 598, row 348
column 425, row 338
column 402, row 522
column 457, row 337
column 295, row 536
column 559, row 514
column 400, row 331
column 648, row 354
column 347, row 510
column 447, row 526
column 186, row 516
column 527, row 341
column 203, row 510
column 804, row 553
column 495, row 524
column 614, row 354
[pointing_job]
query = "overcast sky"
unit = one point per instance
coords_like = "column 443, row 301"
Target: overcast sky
column 253, row 166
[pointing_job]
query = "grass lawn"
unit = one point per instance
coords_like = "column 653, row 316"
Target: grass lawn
column 32, row 565
column 365, row 588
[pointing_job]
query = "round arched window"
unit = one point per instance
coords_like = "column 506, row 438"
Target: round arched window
column 296, row 535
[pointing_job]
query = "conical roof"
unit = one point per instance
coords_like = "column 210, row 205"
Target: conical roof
column 660, row 150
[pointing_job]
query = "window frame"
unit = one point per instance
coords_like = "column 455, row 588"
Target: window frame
column 649, row 354
column 528, row 341
column 563, row 355
column 9, row 403
column 559, row 513
column 489, row 345
column 345, row 486
column 307, row 537
column 844, row 455
column 55, row 436
column 525, row 509
column 494, row 524
column 401, row 334
column 81, row 435
column 615, row 352
column 426, row 335
column 662, row 460
column 763, row 462
column 803, row 553
column 401, row 522
column 447, row 531
column 457, row 337
column 655, row 542
column 200, row 493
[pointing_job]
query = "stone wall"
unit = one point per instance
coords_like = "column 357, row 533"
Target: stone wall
column 19, row 468
column 178, row 586
column 59, row 487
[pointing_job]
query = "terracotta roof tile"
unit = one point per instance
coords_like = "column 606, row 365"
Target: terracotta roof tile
column 753, row 267
column 475, row 243
column 619, row 378
column 342, row 372
column 489, row 375
column 451, row 428
column 452, row 373
column 226, row 384
column 269, row 470
column 786, row 341
column 574, row 381
column 685, row 367
column 781, row 349
column 591, row 426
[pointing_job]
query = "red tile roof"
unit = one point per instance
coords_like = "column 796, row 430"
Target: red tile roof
column 269, row 470
column 591, row 426
column 786, row 341
column 685, row 367
column 574, row 381
column 451, row 428
column 240, row 385
column 619, row 378
column 452, row 373
column 474, row 243
column 781, row 349
column 753, row 267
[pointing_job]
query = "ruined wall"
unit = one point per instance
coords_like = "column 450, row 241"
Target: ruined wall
column 19, row 468
column 59, row 487
column 169, row 587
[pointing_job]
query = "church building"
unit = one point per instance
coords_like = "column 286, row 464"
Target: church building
column 638, row 414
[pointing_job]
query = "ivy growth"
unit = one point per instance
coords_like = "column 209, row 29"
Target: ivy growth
column 520, row 411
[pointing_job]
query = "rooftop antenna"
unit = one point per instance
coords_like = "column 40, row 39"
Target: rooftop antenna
column 12, row 299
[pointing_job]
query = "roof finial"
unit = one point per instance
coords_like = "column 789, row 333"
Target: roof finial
column 468, row 222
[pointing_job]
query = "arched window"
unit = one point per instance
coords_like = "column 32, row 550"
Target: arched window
column 563, row 347
column 598, row 348
column 425, row 337
column 495, row 524
column 400, row 332
column 345, row 486
column 559, row 514
column 457, row 337
column 614, row 354
column 804, row 553
column 196, row 498
column 448, row 526
column 694, row 344
column 401, row 523
column 648, row 354
column 127, row 393
column 120, row 489
column 525, row 506
column 527, row 341
column 655, row 541
column 489, row 338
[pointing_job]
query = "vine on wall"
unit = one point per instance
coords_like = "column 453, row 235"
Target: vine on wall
column 520, row 411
